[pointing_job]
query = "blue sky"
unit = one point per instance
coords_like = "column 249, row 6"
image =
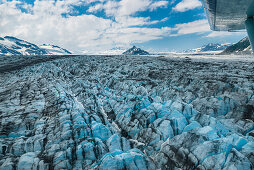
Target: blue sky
column 93, row 26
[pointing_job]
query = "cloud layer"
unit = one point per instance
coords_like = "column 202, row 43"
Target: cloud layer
column 55, row 22
column 44, row 22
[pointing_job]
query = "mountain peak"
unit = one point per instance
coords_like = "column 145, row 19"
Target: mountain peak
column 135, row 51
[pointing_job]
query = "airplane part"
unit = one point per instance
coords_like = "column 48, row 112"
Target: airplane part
column 231, row 15
column 250, row 29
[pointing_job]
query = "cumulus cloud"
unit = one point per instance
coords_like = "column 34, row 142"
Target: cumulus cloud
column 130, row 7
column 186, row 5
column 198, row 26
column 95, row 8
column 158, row 4
column 127, row 7
column 123, row 11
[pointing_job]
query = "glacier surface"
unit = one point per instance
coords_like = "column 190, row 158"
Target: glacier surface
column 126, row 112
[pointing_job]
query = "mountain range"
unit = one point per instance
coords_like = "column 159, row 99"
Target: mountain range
column 211, row 47
column 13, row 46
column 242, row 47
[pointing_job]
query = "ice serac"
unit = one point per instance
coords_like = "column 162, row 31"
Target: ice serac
column 231, row 15
column 126, row 112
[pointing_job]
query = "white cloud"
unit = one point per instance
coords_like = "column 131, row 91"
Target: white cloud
column 123, row 11
column 186, row 5
column 164, row 19
column 158, row 4
column 111, row 8
column 223, row 34
column 127, row 7
column 201, row 27
column 95, row 8
column 198, row 26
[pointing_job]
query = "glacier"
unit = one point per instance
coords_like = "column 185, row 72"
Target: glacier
column 126, row 112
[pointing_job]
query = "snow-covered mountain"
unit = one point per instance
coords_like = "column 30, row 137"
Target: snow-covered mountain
column 55, row 50
column 135, row 51
column 13, row 46
column 211, row 47
column 242, row 47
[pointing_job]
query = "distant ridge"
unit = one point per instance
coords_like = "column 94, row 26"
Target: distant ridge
column 240, row 48
column 13, row 46
column 211, row 47
column 135, row 51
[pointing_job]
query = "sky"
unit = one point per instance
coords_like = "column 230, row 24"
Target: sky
column 94, row 26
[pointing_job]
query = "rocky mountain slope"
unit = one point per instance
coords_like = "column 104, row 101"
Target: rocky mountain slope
column 242, row 47
column 135, row 51
column 126, row 112
column 14, row 46
column 211, row 47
